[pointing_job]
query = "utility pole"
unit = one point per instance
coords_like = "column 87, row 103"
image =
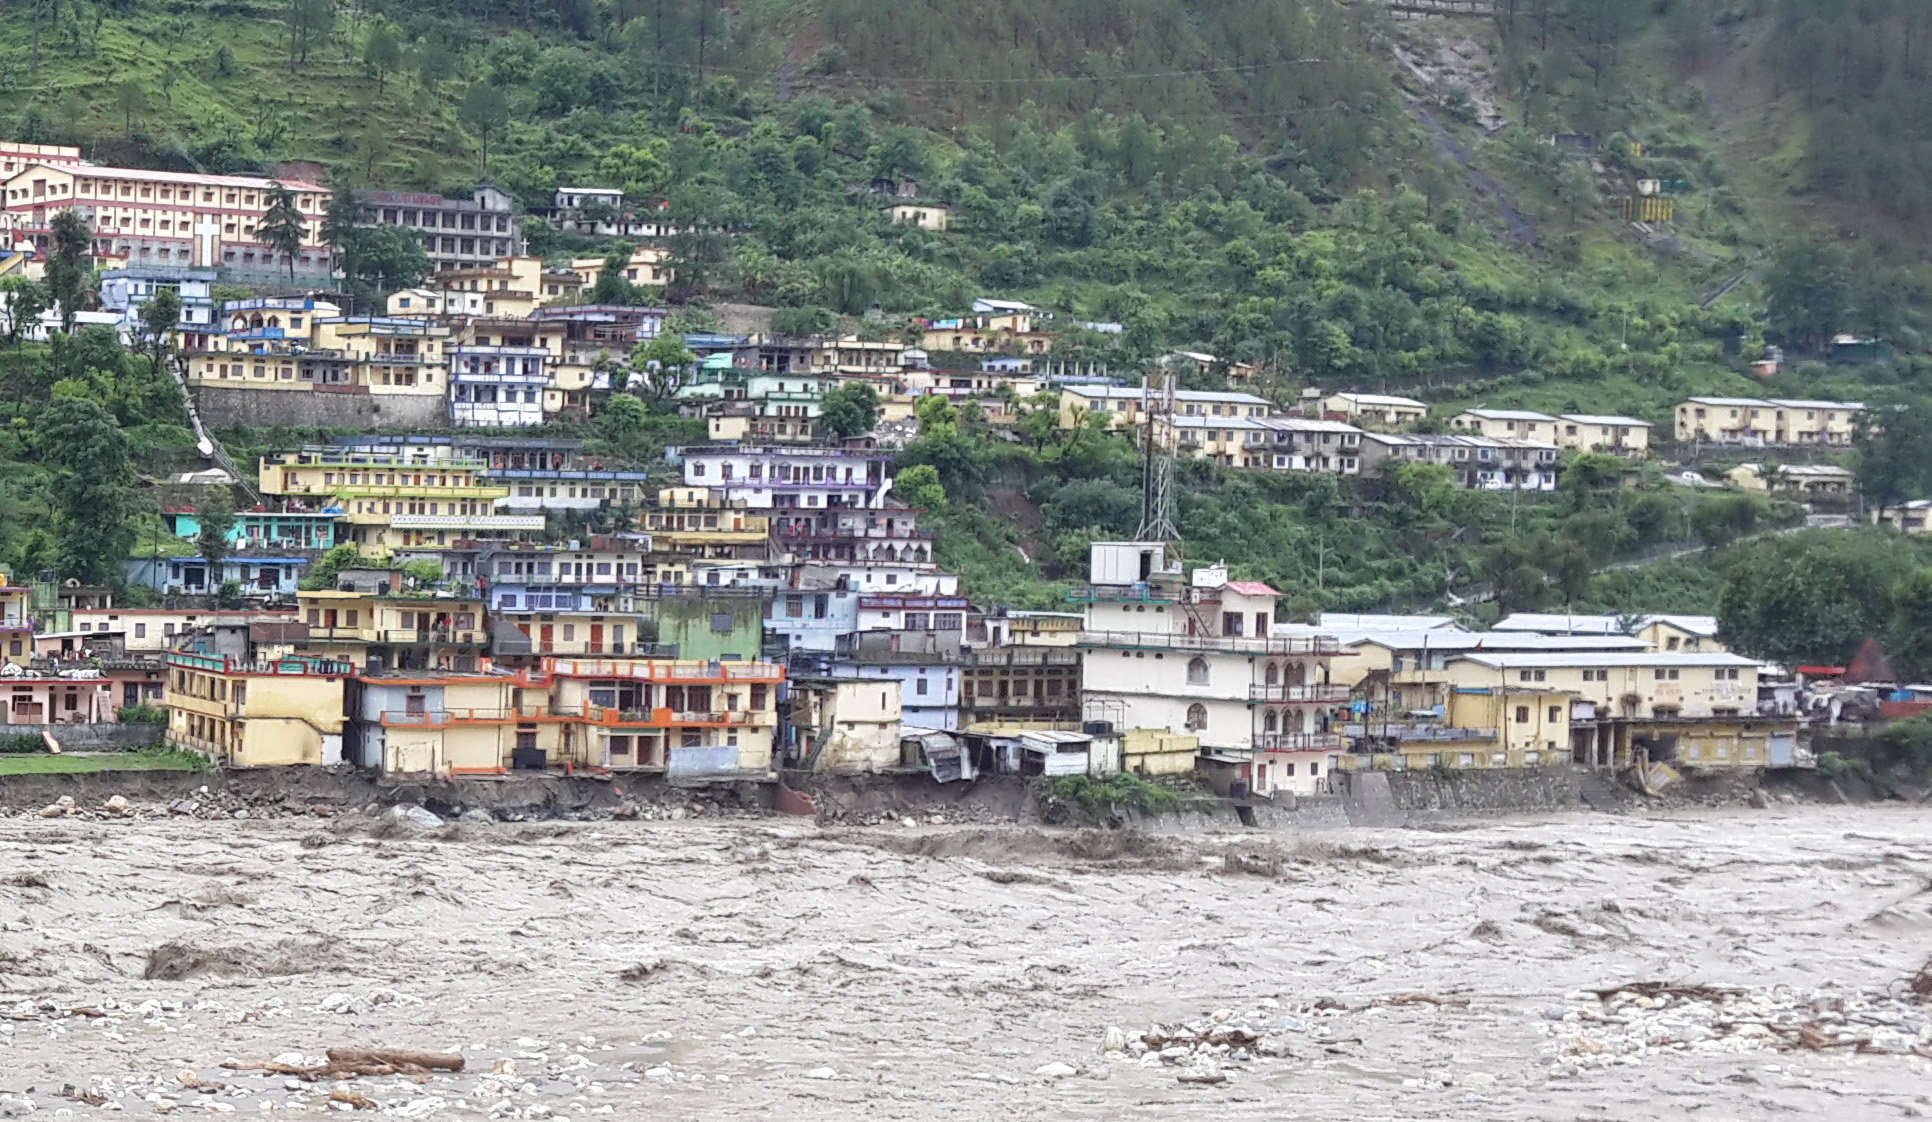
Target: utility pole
column 1157, row 461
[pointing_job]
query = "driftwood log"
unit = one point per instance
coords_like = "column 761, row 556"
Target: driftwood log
column 364, row 1061
column 398, row 1057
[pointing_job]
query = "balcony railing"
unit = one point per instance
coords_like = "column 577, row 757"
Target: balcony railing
column 1037, row 657
column 672, row 672
column 1300, row 742
column 1316, row 693
column 1410, row 731
column 1117, row 594
column 1222, row 644
column 433, row 637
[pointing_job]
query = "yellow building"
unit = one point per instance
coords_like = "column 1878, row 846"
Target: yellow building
column 1590, row 432
column 1158, row 752
column 391, row 502
column 1680, row 634
column 16, row 622
column 1808, row 481
column 1624, row 684
column 1779, row 421
column 649, row 265
column 1007, row 333
column 1374, row 410
column 1506, row 423
column 435, row 723
column 394, row 631
column 1914, row 517
column 256, row 714
column 846, row 725
column 705, row 530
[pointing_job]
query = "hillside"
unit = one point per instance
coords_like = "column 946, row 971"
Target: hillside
column 1337, row 196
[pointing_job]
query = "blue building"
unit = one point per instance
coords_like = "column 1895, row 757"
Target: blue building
column 126, row 290
column 257, row 576
column 264, row 529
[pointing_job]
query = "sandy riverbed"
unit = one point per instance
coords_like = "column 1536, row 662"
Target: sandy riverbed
column 693, row 971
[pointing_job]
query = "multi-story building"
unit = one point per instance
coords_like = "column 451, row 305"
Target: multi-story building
column 456, row 233
column 1022, row 667
column 596, row 339
column 262, row 530
column 763, row 478
column 150, row 631
column 924, row 662
column 1590, row 432
column 1755, row 423
column 16, row 156
column 497, row 387
column 1479, row 463
column 1373, row 410
column 884, row 534
column 648, row 265
column 1296, row 444
column 1127, row 406
column 391, row 501
column 1201, row 657
column 17, row 622
column 573, row 601
column 1001, row 333
column 168, row 217
column 684, row 717
column 242, row 713
column 704, row 531
column 545, row 473
column 384, row 629
column 751, row 406
column 128, row 291
column 254, row 575
column 443, row 723
column 1828, row 482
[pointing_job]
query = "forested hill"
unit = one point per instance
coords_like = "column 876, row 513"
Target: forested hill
column 1338, row 196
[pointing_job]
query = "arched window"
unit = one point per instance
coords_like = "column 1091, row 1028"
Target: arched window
column 1300, row 675
column 1197, row 716
column 1273, row 723
column 1197, row 672
column 275, row 321
column 255, row 320
column 1274, row 674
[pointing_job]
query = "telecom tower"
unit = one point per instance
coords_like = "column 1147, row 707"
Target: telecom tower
column 1157, row 460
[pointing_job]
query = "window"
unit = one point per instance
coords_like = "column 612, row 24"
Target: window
column 1530, row 675
column 919, row 687
column 141, row 630
column 1197, row 675
column 1197, row 716
column 1522, row 714
column 721, row 623
column 1556, row 713
column 1666, row 675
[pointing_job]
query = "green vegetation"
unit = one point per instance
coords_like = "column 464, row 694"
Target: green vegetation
column 152, row 759
column 1096, row 797
column 1246, row 180
column 142, row 715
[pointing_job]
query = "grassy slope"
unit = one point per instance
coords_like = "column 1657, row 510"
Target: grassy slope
column 70, row 764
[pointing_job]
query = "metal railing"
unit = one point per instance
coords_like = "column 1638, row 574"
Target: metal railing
column 1224, row 644
column 1300, row 742
column 1420, row 733
column 452, row 637
column 1117, row 594
column 1283, row 693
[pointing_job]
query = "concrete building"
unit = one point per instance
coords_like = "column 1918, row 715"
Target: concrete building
column 1200, row 657
column 1756, row 423
column 1126, row 406
column 1828, row 482
column 438, row 723
column 394, row 501
column 456, row 233
column 128, row 291
column 242, row 713
column 1373, row 410
column 845, row 724
column 1513, row 424
column 1590, row 432
column 685, row 717
column 381, row 629
column 168, row 218
column 781, row 478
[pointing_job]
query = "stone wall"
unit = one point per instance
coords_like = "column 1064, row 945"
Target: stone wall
column 97, row 738
column 1391, row 798
column 220, row 405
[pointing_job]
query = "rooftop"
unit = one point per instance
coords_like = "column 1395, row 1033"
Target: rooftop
column 1575, row 660
column 1604, row 419
column 1380, row 399
column 1508, row 415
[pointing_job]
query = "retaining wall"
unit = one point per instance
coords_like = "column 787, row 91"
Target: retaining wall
column 220, row 405
column 97, row 737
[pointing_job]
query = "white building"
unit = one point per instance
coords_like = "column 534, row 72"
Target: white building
column 1201, row 657
column 496, row 387
column 782, row 478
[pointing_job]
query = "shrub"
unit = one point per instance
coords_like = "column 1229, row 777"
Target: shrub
column 21, row 744
column 1094, row 796
column 143, row 715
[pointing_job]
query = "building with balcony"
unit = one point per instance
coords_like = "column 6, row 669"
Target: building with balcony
column 701, row 530
column 242, row 713
column 439, row 723
column 1298, row 444
column 456, row 233
column 17, row 622
column 922, row 649
column 596, row 338
column 1202, row 657
column 262, row 530
column 1590, row 432
column 1755, row 423
column 889, row 533
column 844, row 725
column 128, row 291
column 684, row 717
column 1505, row 424
column 1020, row 683
column 152, row 631
column 59, row 697
column 384, row 630
column 497, row 386
column 540, row 473
column 390, row 501
column 779, row 478
column 1127, row 406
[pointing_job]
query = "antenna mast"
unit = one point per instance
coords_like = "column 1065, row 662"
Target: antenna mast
column 1157, row 460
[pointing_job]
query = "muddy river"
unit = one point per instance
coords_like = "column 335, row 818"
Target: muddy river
column 1713, row 964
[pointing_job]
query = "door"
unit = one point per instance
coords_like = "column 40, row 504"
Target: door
column 596, row 638
column 549, row 637
column 1780, row 749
